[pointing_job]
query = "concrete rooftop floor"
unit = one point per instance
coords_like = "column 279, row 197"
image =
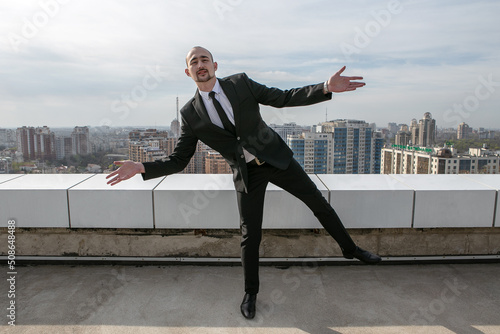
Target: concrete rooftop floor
column 417, row 298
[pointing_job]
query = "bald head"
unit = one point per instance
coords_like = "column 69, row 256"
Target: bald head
column 194, row 50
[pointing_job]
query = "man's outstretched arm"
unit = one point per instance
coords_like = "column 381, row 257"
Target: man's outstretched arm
column 306, row 95
column 176, row 162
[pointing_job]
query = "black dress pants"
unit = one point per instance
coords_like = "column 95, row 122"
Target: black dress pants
column 251, row 206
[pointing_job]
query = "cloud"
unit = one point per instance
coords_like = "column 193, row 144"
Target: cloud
column 89, row 53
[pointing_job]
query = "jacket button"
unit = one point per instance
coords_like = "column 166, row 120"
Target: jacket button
column 242, row 156
column 238, row 138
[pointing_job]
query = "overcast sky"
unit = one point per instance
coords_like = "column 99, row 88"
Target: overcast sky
column 119, row 63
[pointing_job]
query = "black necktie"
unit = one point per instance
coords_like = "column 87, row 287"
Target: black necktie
column 222, row 114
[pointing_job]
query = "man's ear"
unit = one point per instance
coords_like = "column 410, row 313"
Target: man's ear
column 187, row 72
column 215, row 66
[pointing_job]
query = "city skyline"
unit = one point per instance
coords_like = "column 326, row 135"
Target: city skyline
column 67, row 63
column 169, row 127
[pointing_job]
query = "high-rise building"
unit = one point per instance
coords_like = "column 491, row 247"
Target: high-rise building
column 80, row 138
column 403, row 138
column 11, row 138
column 36, row 143
column 393, row 128
column 145, row 151
column 26, row 142
column 289, row 129
column 352, row 146
column 175, row 128
column 414, row 132
column 423, row 133
column 64, row 147
column 175, row 125
column 216, row 164
column 3, row 137
column 150, row 145
column 377, row 146
column 313, row 151
column 427, row 130
column 170, row 144
column 45, row 144
column 197, row 163
column 138, row 135
column 341, row 147
column 485, row 134
column 414, row 160
column 463, row 131
column 147, row 145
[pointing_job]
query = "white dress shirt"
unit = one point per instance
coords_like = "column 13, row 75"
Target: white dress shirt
column 228, row 109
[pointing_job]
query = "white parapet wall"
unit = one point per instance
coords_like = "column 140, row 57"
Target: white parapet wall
column 196, row 201
column 491, row 181
column 450, row 201
column 208, row 201
column 38, row 200
column 95, row 204
column 283, row 211
column 370, row 201
column 7, row 177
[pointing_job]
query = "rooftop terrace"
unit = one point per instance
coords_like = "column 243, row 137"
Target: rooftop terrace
column 385, row 299
column 307, row 287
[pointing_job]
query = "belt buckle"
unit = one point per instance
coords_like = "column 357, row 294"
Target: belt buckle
column 259, row 163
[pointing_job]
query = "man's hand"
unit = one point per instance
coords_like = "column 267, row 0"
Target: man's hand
column 339, row 84
column 126, row 171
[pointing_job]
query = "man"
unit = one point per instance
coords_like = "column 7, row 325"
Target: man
column 224, row 114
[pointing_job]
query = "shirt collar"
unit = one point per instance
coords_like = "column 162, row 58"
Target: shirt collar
column 217, row 89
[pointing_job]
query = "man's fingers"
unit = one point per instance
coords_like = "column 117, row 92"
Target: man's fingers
column 341, row 70
column 112, row 174
column 118, row 163
column 112, row 182
column 355, row 78
column 115, row 181
column 352, row 88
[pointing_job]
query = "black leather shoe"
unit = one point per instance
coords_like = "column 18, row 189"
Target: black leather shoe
column 363, row 255
column 248, row 306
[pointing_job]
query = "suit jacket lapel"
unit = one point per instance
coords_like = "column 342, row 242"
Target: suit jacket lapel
column 200, row 109
column 233, row 98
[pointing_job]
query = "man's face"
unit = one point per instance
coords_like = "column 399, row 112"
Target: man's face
column 200, row 65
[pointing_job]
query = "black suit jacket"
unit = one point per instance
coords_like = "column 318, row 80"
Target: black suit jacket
column 252, row 133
